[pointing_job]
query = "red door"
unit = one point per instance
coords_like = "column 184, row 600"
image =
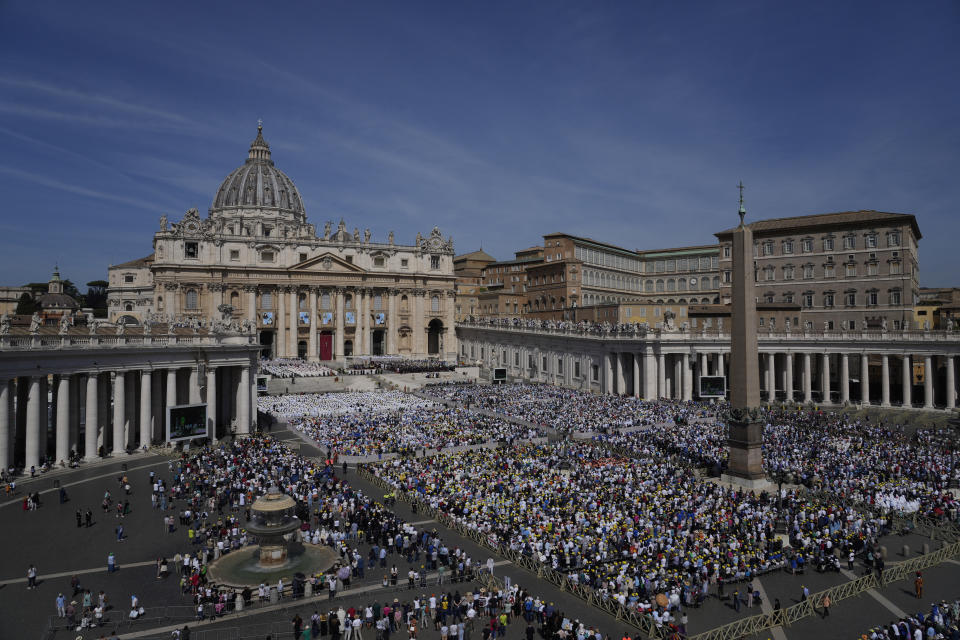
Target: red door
column 326, row 346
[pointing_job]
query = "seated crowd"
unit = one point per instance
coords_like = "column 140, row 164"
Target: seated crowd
column 942, row 622
column 331, row 404
column 290, row 368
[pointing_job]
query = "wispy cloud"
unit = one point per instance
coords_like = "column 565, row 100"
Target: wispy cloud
column 78, row 190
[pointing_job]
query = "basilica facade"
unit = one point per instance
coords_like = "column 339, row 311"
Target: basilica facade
column 256, row 259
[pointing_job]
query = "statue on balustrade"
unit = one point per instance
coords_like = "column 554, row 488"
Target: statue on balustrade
column 35, row 323
column 4, row 324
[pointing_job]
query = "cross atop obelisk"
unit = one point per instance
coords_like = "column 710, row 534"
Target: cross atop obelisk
column 742, row 210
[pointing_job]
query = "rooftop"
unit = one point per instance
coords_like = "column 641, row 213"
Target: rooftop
column 841, row 218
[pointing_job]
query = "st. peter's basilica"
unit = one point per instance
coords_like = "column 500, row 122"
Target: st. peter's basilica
column 255, row 258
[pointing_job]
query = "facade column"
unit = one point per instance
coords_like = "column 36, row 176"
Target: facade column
column 243, row 403
column 44, row 418
column 927, row 382
column 687, row 371
column 253, row 396
column 33, row 424
column 280, row 344
column 951, row 383
column 393, row 321
column 292, row 351
column 251, row 291
column 75, row 413
column 156, row 394
column 171, row 396
column 194, row 388
column 807, row 379
column 5, row 438
column 419, row 328
column 212, row 403
column 636, row 375
column 662, row 376
column 63, row 419
column 146, row 407
column 312, row 339
column 825, row 378
column 906, row 380
column 92, row 418
column 789, row 381
column 884, row 380
column 844, row 378
column 341, row 329
column 677, row 391
column 721, row 367
column 363, row 323
column 450, row 326
column 119, row 411
column 864, row 379
column 771, row 377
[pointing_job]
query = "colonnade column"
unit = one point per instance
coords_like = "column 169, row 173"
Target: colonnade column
column 662, row 376
column 807, row 379
column 63, row 418
column 951, row 384
column 280, row 344
column 294, row 324
column 825, row 378
column 636, row 375
column 33, row 423
column 788, row 384
column 92, row 418
column 146, row 407
column 687, row 376
column 864, row 379
column 253, row 397
column 212, row 403
column 312, row 339
column 620, row 379
column 771, row 377
column 906, row 381
column 649, row 375
column 194, row 385
column 341, row 329
column 243, row 408
column 927, row 382
column 721, row 366
column 119, row 411
column 5, row 438
column 884, row 380
column 75, row 413
column 844, row 378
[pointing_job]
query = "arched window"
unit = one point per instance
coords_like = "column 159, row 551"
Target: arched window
column 649, row 286
column 192, row 299
column 682, row 284
column 435, row 304
column 671, row 285
column 659, row 286
column 128, row 306
column 348, row 301
column 404, row 303
column 160, row 303
column 325, row 300
column 716, row 282
column 235, row 300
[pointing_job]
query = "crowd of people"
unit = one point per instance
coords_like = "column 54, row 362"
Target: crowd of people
column 941, row 622
column 293, row 368
column 332, row 404
column 631, row 528
column 408, row 431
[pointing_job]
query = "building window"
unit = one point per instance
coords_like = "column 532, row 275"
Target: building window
column 788, row 246
column 829, row 271
column 348, row 301
column 768, row 298
column 769, row 273
column 849, row 242
column 377, row 302
column 303, row 257
column 349, row 259
column 871, row 241
column 808, row 300
column 895, row 297
column 660, row 286
column 807, row 245
column 128, row 306
column 190, row 250
column 379, row 261
column 404, row 263
column 850, row 299
column 726, row 251
column 788, row 273
column 434, row 262
column 896, row 268
column 762, row 321
column 788, row 298
column 234, row 254
column 767, row 248
column 807, row 271
column 595, row 372
column 851, row 270
column 893, row 239
column 266, row 300
column 192, row 299
column 435, row 304
column 872, row 298
column 852, row 325
column 325, row 300
column 828, row 300
column 267, row 230
column 727, row 276
column 266, row 256
column 872, row 269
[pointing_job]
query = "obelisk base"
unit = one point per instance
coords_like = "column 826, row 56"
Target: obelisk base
column 745, row 445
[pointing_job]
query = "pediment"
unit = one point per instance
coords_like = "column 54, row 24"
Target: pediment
column 327, row 263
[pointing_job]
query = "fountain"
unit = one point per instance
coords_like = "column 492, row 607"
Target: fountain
column 272, row 519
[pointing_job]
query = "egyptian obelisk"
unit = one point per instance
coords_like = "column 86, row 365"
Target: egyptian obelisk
column 745, row 435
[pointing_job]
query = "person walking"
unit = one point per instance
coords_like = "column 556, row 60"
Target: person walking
column 32, row 577
column 61, row 606
column 111, row 563
column 918, row 585
column 826, row 605
column 79, row 519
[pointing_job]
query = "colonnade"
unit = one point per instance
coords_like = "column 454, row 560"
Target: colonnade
column 915, row 373
column 95, row 413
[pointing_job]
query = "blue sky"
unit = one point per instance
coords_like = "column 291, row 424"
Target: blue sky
column 630, row 122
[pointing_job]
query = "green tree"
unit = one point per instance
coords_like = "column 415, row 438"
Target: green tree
column 26, row 305
column 96, row 297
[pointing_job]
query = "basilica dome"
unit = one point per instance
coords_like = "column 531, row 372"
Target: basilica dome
column 258, row 186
